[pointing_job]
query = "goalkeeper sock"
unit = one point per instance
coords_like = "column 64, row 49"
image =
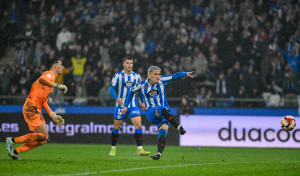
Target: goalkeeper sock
column 138, row 137
column 31, row 137
column 29, row 146
column 169, row 117
column 114, row 137
column 15, row 152
column 162, row 134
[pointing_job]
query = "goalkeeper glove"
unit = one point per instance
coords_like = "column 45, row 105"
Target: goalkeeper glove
column 60, row 87
column 57, row 119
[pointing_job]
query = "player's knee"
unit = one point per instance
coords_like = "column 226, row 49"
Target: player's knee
column 41, row 137
column 165, row 112
column 138, row 126
column 162, row 133
column 117, row 127
column 158, row 110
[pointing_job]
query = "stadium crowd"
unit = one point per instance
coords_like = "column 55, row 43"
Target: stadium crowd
column 238, row 49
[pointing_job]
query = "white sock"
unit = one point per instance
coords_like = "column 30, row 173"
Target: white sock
column 139, row 147
column 113, row 147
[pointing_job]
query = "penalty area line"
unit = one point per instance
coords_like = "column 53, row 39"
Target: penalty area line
column 154, row 167
column 169, row 166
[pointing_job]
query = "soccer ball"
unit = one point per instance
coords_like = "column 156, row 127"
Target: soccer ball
column 288, row 123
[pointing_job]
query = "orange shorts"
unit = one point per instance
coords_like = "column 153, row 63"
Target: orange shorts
column 32, row 116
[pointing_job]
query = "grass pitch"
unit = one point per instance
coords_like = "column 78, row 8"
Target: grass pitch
column 87, row 159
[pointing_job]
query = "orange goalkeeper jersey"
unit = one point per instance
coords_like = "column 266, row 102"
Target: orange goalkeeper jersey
column 39, row 93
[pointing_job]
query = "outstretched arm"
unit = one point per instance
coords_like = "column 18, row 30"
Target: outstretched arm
column 283, row 53
column 167, row 78
column 179, row 75
column 183, row 74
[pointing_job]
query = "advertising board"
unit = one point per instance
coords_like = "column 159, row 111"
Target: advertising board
column 237, row 131
column 85, row 128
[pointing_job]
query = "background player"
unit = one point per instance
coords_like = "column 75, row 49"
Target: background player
column 38, row 99
column 157, row 108
column 124, row 81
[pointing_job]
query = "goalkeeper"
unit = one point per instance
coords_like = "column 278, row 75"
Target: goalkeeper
column 32, row 111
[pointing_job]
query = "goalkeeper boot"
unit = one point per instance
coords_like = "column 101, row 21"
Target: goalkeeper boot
column 9, row 145
column 14, row 156
column 142, row 152
column 157, row 156
column 10, row 149
column 181, row 130
column 112, row 151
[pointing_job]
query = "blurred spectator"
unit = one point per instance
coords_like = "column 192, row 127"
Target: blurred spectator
column 221, row 91
column 251, row 80
column 199, row 63
column 168, row 33
column 104, row 97
column 201, row 100
column 5, row 80
column 12, row 92
column 292, row 59
column 93, row 87
column 241, row 95
column 63, row 37
column 185, row 107
column 21, row 57
column 290, row 89
column 78, row 63
column 80, row 99
column 292, row 45
column 139, row 46
column 23, row 96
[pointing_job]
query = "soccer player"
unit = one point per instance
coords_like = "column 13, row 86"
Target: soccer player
column 157, row 108
column 124, row 81
column 38, row 99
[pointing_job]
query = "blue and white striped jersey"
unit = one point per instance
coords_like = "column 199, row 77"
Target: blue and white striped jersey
column 155, row 94
column 123, row 83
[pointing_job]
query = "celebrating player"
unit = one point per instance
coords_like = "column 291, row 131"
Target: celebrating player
column 157, row 108
column 124, row 81
column 32, row 113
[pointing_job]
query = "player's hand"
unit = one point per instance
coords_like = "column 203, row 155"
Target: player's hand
column 119, row 101
column 190, row 74
column 124, row 110
column 57, row 119
column 64, row 88
column 60, row 87
column 143, row 106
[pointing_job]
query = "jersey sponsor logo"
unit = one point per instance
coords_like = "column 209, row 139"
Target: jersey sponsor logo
column 128, row 84
column 146, row 87
column 153, row 93
column 123, row 76
column 48, row 75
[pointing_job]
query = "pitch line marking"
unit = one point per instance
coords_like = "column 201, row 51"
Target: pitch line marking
column 158, row 167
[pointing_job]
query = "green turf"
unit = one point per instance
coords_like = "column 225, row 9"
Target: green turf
column 87, row 159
